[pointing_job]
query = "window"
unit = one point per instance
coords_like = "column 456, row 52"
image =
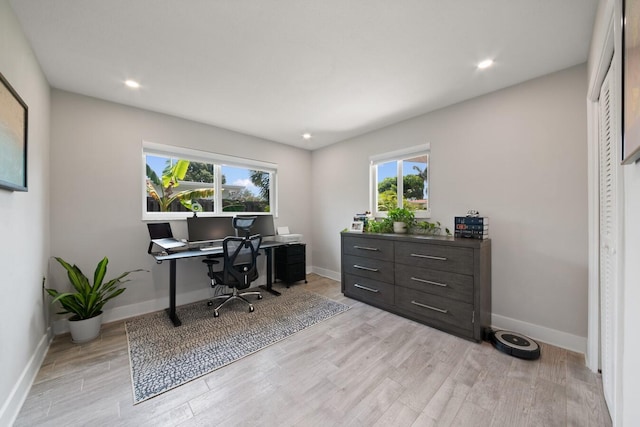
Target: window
column 179, row 181
column 401, row 179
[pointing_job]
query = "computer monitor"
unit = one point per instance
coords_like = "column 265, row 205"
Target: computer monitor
column 263, row 225
column 209, row 228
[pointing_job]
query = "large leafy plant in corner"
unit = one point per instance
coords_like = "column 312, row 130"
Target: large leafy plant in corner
column 162, row 189
column 88, row 299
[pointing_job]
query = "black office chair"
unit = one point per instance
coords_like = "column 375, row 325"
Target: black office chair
column 240, row 265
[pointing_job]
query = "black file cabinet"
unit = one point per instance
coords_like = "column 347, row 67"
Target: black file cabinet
column 291, row 263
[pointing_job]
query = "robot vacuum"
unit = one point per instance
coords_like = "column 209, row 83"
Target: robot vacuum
column 515, row 344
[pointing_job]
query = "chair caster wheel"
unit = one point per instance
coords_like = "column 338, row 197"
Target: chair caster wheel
column 209, row 303
column 250, row 309
column 216, row 314
column 259, row 296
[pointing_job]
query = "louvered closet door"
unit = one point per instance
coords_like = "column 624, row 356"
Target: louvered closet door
column 608, row 238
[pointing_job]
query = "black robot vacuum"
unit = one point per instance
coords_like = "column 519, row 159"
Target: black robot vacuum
column 515, row 344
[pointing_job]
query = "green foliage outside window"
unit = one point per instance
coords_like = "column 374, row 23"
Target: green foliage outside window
column 163, row 189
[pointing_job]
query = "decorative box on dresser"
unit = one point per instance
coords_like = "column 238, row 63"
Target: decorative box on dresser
column 443, row 282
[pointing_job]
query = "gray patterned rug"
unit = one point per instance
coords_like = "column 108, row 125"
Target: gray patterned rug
column 163, row 357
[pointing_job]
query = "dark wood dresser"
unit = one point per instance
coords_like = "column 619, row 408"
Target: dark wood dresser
column 443, row 282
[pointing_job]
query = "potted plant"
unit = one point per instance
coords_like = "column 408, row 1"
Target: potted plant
column 88, row 299
column 402, row 219
column 383, row 225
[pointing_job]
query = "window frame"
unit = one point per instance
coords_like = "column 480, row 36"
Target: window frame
column 217, row 160
column 397, row 156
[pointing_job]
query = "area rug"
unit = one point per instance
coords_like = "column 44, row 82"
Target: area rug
column 163, row 357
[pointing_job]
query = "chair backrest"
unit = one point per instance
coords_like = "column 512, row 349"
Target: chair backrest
column 240, row 260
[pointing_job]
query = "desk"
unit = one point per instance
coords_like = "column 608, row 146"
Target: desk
column 266, row 246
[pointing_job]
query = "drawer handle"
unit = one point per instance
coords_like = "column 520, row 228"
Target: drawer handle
column 365, row 248
column 438, row 258
column 375, row 291
column 439, row 310
column 417, row 279
column 360, row 267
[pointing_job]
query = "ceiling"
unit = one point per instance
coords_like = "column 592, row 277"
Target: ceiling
column 276, row 69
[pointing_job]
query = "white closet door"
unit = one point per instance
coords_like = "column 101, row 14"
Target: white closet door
column 608, row 238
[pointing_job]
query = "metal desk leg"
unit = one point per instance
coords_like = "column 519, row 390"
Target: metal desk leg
column 268, row 287
column 172, row 294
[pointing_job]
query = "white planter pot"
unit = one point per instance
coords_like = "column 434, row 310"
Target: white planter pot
column 85, row 330
column 399, row 227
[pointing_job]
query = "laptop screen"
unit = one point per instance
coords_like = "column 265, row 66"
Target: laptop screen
column 160, row 230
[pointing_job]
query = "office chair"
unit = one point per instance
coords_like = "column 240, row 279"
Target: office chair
column 240, row 265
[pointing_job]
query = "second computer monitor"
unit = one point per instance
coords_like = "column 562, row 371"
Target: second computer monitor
column 263, row 225
column 209, row 228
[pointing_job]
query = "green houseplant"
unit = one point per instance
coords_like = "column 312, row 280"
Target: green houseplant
column 88, row 299
column 402, row 218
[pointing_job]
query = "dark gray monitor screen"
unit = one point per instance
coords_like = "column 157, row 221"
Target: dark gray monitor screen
column 209, row 228
column 263, row 225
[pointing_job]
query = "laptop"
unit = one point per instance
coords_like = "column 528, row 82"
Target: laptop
column 162, row 236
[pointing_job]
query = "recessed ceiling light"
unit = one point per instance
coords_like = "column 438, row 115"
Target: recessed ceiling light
column 485, row 64
column 132, row 84
column 306, row 136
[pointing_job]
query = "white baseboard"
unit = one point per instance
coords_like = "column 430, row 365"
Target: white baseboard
column 334, row 275
column 11, row 407
column 561, row 339
column 60, row 326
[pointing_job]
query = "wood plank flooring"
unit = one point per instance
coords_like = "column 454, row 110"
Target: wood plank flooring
column 364, row 367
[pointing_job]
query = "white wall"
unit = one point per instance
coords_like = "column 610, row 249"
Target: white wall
column 24, row 227
column 631, row 354
column 519, row 156
column 96, row 151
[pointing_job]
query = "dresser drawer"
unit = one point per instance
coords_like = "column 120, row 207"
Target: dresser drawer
column 367, row 247
column 442, row 283
column 367, row 267
column 435, row 257
column 438, row 311
column 369, row 290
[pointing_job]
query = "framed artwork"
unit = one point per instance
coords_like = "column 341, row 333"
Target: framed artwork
column 357, row 227
column 13, row 138
column 630, row 81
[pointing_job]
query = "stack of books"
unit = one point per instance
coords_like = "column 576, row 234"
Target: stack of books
column 474, row 227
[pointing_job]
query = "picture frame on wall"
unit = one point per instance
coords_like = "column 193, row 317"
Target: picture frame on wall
column 630, row 81
column 13, row 138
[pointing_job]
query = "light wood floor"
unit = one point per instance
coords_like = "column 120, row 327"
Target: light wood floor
column 364, row 367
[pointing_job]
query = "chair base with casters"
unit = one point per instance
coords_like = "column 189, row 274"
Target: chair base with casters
column 235, row 295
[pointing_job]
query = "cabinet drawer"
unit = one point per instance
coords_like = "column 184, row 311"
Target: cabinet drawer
column 442, row 283
column 290, row 273
column 294, row 250
column 366, row 247
column 368, row 290
column 368, row 267
column 435, row 257
column 292, row 259
column 438, row 311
